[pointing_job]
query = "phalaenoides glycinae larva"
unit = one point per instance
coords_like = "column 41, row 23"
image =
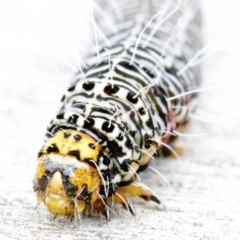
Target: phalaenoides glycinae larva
column 122, row 106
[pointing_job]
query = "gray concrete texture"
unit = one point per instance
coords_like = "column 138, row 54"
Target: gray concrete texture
column 203, row 200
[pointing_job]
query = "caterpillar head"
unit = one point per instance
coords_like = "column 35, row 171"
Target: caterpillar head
column 66, row 179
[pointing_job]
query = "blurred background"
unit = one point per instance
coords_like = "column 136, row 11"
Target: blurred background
column 41, row 44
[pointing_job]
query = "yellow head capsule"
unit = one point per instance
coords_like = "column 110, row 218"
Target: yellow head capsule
column 64, row 180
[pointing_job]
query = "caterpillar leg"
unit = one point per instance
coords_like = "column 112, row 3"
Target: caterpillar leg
column 123, row 196
column 103, row 206
column 175, row 145
column 135, row 189
column 176, row 148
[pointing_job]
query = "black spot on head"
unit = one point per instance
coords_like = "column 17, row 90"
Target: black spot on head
column 77, row 137
column 66, row 134
column 141, row 111
column 75, row 153
column 88, row 123
column 131, row 97
column 107, row 127
column 109, row 89
column 125, row 165
column 52, row 148
column 92, row 146
column 88, row 86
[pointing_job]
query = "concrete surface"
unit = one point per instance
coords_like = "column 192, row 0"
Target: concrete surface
column 203, row 201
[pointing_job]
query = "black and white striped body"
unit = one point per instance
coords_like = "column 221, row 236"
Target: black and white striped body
column 122, row 97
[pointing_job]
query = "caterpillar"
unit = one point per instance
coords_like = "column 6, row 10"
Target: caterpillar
column 122, row 107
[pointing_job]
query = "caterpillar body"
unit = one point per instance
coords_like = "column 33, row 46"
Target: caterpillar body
column 121, row 107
